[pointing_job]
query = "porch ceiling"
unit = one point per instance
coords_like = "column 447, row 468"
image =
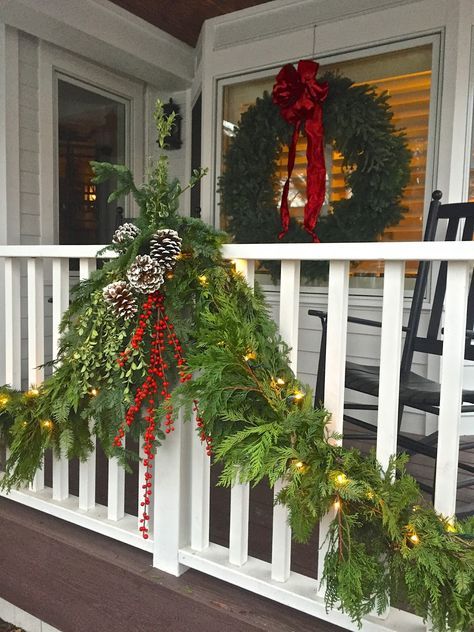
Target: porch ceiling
column 183, row 18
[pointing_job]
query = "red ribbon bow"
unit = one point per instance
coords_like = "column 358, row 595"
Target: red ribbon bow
column 299, row 97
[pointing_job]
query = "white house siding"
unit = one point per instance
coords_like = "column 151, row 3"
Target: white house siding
column 29, row 140
column 179, row 159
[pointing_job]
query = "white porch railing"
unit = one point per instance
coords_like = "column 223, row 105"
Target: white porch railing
column 180, row 535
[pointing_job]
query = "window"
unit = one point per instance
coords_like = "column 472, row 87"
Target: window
column 91, row 126
column 406, row 76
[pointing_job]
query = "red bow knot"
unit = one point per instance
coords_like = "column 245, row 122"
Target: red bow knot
column 299, row 97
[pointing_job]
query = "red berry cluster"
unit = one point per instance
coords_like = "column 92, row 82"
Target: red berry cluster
column 155, row 386
column 200, row 424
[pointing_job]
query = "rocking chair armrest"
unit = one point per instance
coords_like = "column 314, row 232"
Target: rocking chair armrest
column 352, row 319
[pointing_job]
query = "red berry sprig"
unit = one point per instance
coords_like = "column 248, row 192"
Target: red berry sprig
column 155, row 386
column 205, row 438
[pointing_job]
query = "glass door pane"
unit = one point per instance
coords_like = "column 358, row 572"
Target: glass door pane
column 91, row 126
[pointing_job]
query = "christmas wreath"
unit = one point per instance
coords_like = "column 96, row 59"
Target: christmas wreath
column 168, row 307
column 357, row 123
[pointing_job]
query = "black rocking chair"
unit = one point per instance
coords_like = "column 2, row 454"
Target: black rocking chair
column 416, row 391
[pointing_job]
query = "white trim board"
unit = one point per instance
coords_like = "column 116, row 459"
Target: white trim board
column 102, row 31
column 55, row 62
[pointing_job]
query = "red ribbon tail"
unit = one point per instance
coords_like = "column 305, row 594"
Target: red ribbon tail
column 316, row 172
column 284, row 209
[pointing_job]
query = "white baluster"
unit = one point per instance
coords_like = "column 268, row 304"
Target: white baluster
column 289, row 314
column 200, row 493
column 452, row 369
column 116, row 491
column 60, row 304
column 171, row 495
column 240, row 493
column 36, row 338
column 12, row 323
column 390, row 358
column 87, row 469
column 338, row 292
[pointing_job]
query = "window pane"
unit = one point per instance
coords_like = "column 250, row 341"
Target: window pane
column 406, row 76
column 90, row 127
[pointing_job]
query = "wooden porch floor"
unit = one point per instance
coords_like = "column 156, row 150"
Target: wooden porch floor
column 79, row 581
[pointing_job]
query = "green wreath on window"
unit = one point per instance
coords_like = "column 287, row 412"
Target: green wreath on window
column 376, row 163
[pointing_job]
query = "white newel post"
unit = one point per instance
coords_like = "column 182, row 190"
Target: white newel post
column 172, row 497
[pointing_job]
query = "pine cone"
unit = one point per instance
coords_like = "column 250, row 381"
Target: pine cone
column 145, row 274
column 165, row 246
column 119, row 296
column 125, row 234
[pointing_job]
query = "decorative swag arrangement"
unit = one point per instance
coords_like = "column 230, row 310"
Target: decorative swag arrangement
column 169, row 324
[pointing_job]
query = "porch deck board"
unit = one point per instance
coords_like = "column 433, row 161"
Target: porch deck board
column 78, row 580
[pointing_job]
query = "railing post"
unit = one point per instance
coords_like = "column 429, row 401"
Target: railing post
column 172, row 498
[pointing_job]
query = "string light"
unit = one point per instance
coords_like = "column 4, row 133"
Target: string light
column 202, row 279
column 414, row 538
column 341, row 479
column 47, row 424
column 280, row 381
column 250, row 355
column 4, row 399
column 33, row 392
column 169, row 275
column 94, row 392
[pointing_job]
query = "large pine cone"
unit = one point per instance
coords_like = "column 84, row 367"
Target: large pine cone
column 165, row 246
column 119, row 296
column 125, row 234
column 145, row 274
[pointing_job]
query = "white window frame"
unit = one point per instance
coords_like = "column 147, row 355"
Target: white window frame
column 358, row 295
column 56, row 64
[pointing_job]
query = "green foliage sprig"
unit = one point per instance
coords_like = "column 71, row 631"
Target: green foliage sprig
column 376, row 161
column 383, row 541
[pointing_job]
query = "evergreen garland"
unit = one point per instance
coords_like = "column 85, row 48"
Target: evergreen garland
column 357, row 123
column 384, row 540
